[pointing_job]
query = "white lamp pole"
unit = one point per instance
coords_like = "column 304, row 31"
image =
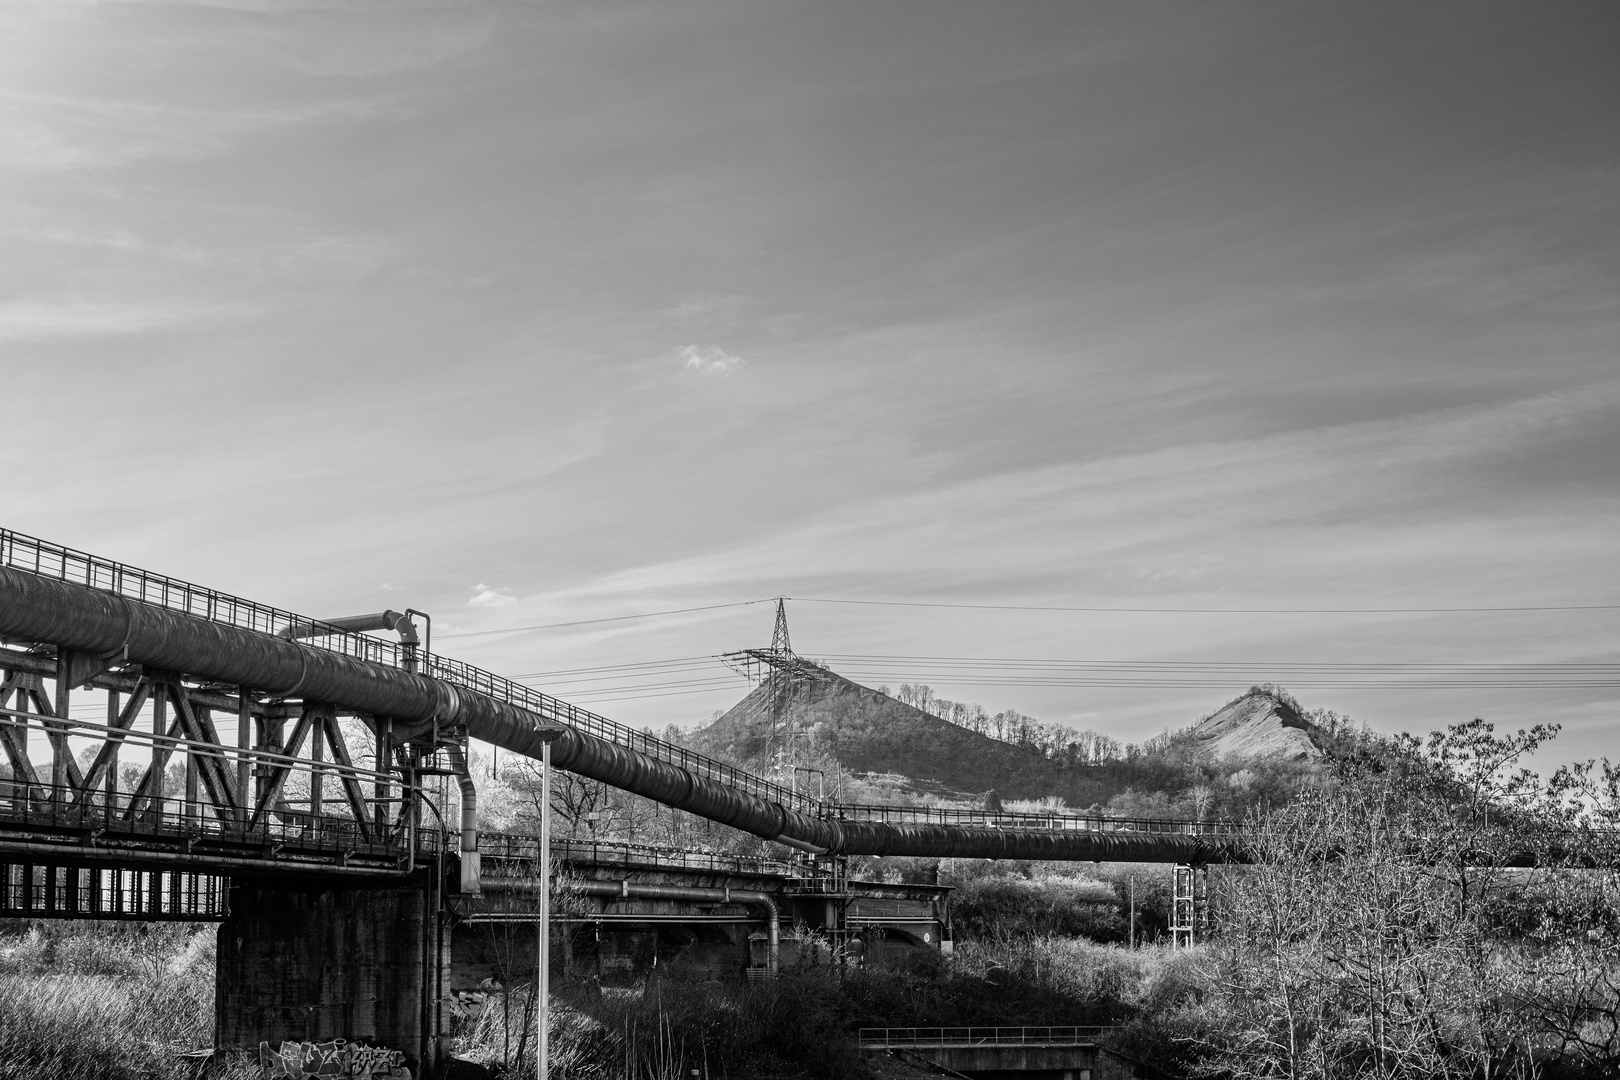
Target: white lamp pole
column 542, row 981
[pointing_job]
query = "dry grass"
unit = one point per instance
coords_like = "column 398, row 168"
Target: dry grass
column 104, row 1003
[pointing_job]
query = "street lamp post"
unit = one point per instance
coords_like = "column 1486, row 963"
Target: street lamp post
column 542, row 980
column 542, row 960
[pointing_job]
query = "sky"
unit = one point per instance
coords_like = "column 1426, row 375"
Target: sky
column 536, row 313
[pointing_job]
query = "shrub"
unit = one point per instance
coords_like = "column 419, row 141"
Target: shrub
column 794, row 1026
column 1007, row 908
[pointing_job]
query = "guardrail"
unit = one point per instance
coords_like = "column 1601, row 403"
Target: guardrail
column 51, row 808
column 935, row 815
column 912, row 1038
column 526, row 849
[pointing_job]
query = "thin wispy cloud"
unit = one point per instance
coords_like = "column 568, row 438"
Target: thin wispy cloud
column 486, row 597
column 708, row 359
column 42, row 320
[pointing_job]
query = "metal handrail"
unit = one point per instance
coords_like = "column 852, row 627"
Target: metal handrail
column 878, row 1038
column 523, row 848
column 937, row 815
column 41, row 805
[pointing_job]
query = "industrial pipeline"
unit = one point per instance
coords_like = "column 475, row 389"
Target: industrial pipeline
column 116, row 629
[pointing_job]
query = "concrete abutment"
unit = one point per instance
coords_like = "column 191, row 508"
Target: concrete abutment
column 314, row 962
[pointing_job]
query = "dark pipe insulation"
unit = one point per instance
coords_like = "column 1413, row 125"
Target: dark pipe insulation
column 104, row 624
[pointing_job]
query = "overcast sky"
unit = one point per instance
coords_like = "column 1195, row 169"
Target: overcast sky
column 529, row 313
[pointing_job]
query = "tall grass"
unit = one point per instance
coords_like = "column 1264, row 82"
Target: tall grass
column 793, row 1027
column 98, row 1002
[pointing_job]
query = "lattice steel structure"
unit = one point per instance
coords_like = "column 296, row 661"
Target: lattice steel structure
column 1189, row 905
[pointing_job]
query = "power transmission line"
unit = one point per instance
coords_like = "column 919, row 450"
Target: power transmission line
column 691, row 675
column 1124, row 610
column 615, row 618
column 1212, row 611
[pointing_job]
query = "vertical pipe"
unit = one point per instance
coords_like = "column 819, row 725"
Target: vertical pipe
column 470, row 871
column 411, row 810
column 385, row 738
column 1133, row 910
column 160, row 758
column 189, row 810
column 59, row 745
column 317, row 775
column 110, row 781
column 542, row 980
column 244, row 740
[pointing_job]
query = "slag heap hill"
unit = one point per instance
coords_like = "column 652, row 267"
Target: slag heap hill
column 1258, row 726
column 869, row 732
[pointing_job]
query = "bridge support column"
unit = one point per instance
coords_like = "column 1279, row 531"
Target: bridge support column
column 316, row 962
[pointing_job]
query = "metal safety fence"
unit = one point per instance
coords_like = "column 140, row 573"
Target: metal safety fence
column 905, row 1038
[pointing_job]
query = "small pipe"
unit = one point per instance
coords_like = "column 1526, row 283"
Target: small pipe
column 381, row 620
column 427, row 643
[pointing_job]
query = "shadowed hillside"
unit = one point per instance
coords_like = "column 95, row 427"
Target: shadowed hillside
column 869, row 732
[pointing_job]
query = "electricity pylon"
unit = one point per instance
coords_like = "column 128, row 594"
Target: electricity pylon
column 783, row 673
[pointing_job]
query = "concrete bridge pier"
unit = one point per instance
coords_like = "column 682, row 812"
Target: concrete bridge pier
column 313, row 961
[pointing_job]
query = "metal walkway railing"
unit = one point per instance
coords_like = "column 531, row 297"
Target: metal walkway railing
column 997, row 819
column 926, row 1038
column 494, row 848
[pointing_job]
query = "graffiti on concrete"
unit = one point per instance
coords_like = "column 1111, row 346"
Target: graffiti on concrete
column 468, row 1004
column 338, row 1058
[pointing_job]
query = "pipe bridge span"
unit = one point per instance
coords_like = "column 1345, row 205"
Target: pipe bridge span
column 88, row 621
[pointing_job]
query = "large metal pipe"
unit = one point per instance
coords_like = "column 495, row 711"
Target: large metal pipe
column 107, row 625
column 104, row 624
column 632, row 890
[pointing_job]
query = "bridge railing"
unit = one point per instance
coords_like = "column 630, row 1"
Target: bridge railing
column 19, row 551
column 936, row 815
column 517, row 848
column 561, row 712
column 52, row 808
column 900, row 1038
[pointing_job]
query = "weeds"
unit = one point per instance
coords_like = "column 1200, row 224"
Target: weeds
column 796, row 1026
